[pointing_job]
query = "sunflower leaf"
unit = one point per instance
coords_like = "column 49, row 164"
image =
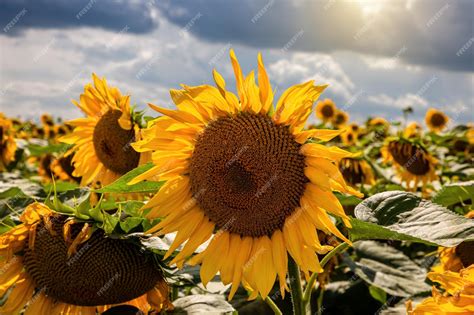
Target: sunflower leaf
column 455, row 193
column 387, row 269
column 399, row 215
column 121, row 184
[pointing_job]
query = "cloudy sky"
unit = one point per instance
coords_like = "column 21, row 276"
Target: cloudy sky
column 378, row 56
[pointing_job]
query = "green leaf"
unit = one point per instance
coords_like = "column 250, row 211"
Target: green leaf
column 347, row 200
column 110, row 222
column 388, row 269
column 130, row 223
column 40, row 150
column 121, row 184
column 378, row 294
column 454, row 193
column 400, row 215
column 61, row 186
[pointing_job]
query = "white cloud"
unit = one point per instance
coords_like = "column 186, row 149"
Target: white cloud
column 400, row 102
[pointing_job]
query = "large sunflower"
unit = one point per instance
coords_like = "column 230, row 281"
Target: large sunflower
column 7, row 142
column 436, row 120
column 457, row 296
column 413, row 163
column 326, row 110
column 102, row 140
column 54, row 265
column 242, row 168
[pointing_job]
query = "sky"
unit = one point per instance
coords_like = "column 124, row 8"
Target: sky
column 378, row 56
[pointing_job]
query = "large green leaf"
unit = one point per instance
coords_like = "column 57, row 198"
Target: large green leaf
column 455, row 193
column 121, row 184
column 387, row 268
column 400, row 215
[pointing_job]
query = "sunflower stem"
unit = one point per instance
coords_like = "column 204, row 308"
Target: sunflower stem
column 273, row 306
column 309, row 288
column 296, row 289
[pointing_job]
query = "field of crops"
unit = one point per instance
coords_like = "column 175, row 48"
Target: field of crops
column 232, row 202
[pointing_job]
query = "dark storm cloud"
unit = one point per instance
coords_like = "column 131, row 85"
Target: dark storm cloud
column 426, row 32
column 17, row 15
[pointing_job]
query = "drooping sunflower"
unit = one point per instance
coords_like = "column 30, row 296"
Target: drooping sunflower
column 242, row 168
column 356, row 171
column 340, row 118
column 7, row 142
column 456, row 297
column 102, row 140
column 436, row 120
column 63, row 168
column 413, row 130
column 54, row 265
column 326, row 110
column 412, row 162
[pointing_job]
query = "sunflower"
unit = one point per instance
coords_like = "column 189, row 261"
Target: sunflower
column 354, row 127
column 457, row 296
column 63, row 169
column 348, row 137
column 379, row 122
column 340, row 118
column 458, row 257
column 413, row 130
column 356, row 171
column 48, row 125
column 436, row 120
column 244, row 169
column 412, row 161
column 326, row 110
column 102, row 140
column 7, row 143
column 54, row 265
column 44, row 166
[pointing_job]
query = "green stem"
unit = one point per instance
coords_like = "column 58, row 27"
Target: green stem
column 273, row 306
column 309, row 288
column 295, row 287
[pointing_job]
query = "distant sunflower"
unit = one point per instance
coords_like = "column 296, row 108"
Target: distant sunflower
column 412, row 161
column 241, row 168
column 54, row 265
column 356, row 171
column 456, row 297
column 326, row 110
column 413, row 130
column 436, row 120
column 63, row 169
column 48, row 125
column 354, row 127
column 7, row 143
column 44, row 166
column 348, row 137
column 102, row 140
column 379, row 122
column 340, row 118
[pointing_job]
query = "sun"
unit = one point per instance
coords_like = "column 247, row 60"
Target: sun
column 370, row 7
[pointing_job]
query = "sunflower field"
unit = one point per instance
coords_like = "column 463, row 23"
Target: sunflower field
column 232, row 203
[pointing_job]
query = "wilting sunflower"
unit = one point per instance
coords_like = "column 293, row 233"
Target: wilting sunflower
column 356, row 171
column 456, row 297
column 436, row 120
column 340, row 118
column 348, row 137
column 326, row 110
column 413, row 130
column 413, row 163
column 54, row 265
column 7, row 143
column 244, row 169
column 102, row 140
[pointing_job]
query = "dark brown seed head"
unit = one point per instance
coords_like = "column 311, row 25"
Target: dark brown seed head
column 247, row 174
column 103, row 270
column 465, row 252
column 438, row 120
column 352, row 171
column 413, row 158
column 112, row 144
column 327, row 111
